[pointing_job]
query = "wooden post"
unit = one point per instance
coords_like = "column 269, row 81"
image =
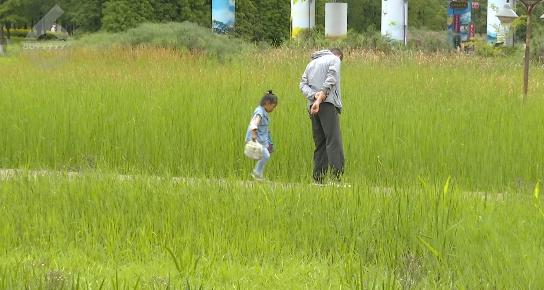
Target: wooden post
column 527, row 54
column 530, row 6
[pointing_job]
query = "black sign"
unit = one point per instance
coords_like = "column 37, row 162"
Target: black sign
column 460, row 4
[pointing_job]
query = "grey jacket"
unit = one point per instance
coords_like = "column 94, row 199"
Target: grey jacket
column 322, row 73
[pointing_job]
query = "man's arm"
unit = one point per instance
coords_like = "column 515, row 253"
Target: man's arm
column 332, row 77
column 307, row 91
column 330, row 81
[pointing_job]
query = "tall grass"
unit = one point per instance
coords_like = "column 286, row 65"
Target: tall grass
column 148, row 232
column 158, row 111
column 419, row 132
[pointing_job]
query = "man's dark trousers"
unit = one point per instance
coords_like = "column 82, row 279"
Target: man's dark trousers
column 328, row 142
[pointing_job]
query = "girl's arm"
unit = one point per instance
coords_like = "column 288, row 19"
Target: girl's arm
column 253, row 125
column 270, row 137
column 271, row 145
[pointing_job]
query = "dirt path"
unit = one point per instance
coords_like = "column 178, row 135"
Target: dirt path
column 7, row 174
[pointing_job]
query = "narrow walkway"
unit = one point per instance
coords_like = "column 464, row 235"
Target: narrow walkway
column 7, row 174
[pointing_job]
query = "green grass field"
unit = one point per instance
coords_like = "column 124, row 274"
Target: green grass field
column 443, row 157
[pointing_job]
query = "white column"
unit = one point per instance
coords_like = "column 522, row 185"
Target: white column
column 394, row 19
column 302, row 16
column 336, row 20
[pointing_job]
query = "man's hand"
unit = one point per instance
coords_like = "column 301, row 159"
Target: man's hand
column 320, row 96
column 254, row 135
column 318, row 99
column 315, row 108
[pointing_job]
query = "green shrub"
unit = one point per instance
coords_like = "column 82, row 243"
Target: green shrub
column 537, row 37
column 484, row 49
column 26, row 33
column 428, row 41
column 22, row 33
column 53, row 36
column 310, row 38
column 370, row 40
column 182, row 36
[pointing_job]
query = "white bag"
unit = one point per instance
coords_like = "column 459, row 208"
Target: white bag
column 254, row 150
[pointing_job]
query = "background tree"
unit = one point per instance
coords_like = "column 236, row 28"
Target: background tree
column 144, row 10
column 273, row 21
column 3, row 15
column 200, row 12
column 427, row 14
column 165, row 10
column 8, row 15
column 184, row 10
column 246, row 19
column 120, row 15
column 364, row 15
column 2, row 37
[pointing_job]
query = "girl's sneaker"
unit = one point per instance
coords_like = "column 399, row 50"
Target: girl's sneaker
column 256, row 176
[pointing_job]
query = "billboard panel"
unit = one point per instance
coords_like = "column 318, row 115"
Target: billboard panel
column 223, row 15
column 459, row 21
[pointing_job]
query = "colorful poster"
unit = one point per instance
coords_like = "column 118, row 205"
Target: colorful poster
column 493, row 23
column 459, row 21
column 302, row 16
column 394, row 19
column 223, row 16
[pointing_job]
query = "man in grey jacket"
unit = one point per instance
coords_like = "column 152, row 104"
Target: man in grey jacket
column 320, row 84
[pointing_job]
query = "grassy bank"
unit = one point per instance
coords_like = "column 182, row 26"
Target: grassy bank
column 97, row 230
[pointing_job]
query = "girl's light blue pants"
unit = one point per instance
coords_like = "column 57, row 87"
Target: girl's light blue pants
column 259, row 168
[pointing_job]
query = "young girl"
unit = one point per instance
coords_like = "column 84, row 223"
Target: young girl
column 258, row 131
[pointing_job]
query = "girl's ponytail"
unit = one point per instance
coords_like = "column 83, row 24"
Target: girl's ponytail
column 269, row 98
